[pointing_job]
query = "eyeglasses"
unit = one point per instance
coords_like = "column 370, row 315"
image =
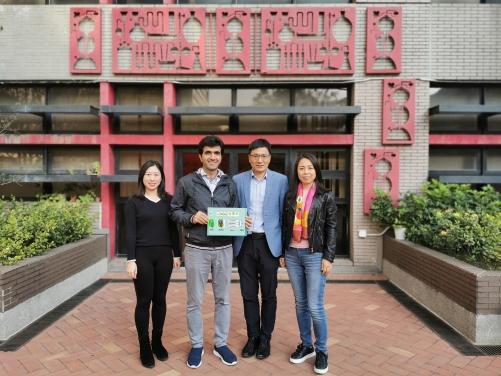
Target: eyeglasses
column 260, row 156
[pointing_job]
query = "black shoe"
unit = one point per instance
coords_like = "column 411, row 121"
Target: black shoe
column 145, row 353
column 250, row 347
column 263, row 350
column 302, row 353
column 321, row 363
column 158, row 349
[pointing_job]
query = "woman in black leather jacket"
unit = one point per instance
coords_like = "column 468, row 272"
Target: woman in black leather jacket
column 309, row 238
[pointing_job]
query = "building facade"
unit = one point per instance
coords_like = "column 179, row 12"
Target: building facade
column 386, row 93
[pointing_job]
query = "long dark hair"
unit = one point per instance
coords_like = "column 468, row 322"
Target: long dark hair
column 140, row 185
column 316, row 166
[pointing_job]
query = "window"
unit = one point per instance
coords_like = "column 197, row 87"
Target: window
column 263, row 2
column 466, row 165
column 56, row 95
column 469, row 96
column 493, row 96
column 204, row 97
column 146, row 95
column 73, row 161
column 18, row 95
column 21, row 160
column 129, row 160
column 231, row 101
column 74, row 95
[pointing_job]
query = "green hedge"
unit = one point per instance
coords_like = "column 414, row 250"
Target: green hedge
column 30, row 229
column 454, row 219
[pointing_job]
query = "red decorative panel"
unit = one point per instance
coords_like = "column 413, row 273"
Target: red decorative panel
column 384, row 40
column 159, row 40
column 85, row 40
column 307, row 40
column 399, row 111
column 233, row 41
column 381, row 170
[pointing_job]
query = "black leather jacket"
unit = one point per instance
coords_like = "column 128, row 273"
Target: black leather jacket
column 322, row 220
column 192, row 195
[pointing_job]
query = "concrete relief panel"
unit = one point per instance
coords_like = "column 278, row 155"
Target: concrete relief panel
column 384, row 40
column 233, row 40
column 381, row 170
column 85, row 40
column 399, row 111
column 159, row 41
column 307, row 40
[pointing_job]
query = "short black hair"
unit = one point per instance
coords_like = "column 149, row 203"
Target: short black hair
column 314, row 162
column 210, row 141
column 260, row 143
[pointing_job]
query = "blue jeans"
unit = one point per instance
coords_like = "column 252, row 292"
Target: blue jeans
column 308, row 284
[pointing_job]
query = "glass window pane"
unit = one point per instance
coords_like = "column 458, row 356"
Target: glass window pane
column 494, row 124
column 76, row 189
column 493, row 97
column 322, row 123
column 205, row 123
column 454, row 123
column 204, row 1
column 138, row 1
column 73, row 2
column 461, row 160
column 18, row 96
column 26, row 191
column 79, row 96
column 206, row 97
column 262, row 123
column 493, row 159
column 132, row 160
column 127, row 189
column 323, row 97
column 278, row 97
column 140, row 96
column 455, row 96
column 73, row 161
column 331, row 160
column 21, row 161
column 191, row 162
column 22, row 2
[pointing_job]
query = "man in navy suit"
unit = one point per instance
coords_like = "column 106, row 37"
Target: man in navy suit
column 262, row 192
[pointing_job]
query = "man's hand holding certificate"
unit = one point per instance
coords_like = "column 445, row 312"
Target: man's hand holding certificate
column 226, row 222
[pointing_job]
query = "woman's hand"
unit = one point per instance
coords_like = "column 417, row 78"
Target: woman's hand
column 132, row 269
column 326, row 267
column 281, row 261
column 177, row 262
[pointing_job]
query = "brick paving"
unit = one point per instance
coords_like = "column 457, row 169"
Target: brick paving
column 370, row 334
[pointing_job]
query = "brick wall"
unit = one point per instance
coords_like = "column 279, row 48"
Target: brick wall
column 475, row 289
column 31, row 276
column 35, row 44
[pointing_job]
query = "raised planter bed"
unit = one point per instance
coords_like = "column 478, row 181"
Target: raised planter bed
column 464, row 296
column 35, row 286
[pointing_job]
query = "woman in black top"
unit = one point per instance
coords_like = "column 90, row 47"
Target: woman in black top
column 152, row 251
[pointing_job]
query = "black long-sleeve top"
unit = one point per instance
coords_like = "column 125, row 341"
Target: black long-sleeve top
column 149, row 223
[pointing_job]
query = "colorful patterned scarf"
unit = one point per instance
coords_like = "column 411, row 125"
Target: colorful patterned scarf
column 300, row 229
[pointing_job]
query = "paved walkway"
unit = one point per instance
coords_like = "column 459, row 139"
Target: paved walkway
column 370, row 334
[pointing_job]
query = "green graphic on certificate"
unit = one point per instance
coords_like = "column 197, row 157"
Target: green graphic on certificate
column 226, row 222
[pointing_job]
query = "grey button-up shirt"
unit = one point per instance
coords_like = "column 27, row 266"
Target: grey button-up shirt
column 211, row 182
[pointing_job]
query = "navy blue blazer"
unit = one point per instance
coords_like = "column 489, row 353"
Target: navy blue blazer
column 276, row 187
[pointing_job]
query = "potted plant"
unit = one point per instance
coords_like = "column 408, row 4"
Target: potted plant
column 384, row 212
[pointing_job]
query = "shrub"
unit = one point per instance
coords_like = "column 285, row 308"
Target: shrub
column 455, row 219
column 30, row 229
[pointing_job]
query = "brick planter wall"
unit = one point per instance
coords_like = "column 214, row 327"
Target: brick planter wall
column 466, row 297
column 34, row 286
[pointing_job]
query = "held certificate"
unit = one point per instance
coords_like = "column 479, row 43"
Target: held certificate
column 226, row 222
